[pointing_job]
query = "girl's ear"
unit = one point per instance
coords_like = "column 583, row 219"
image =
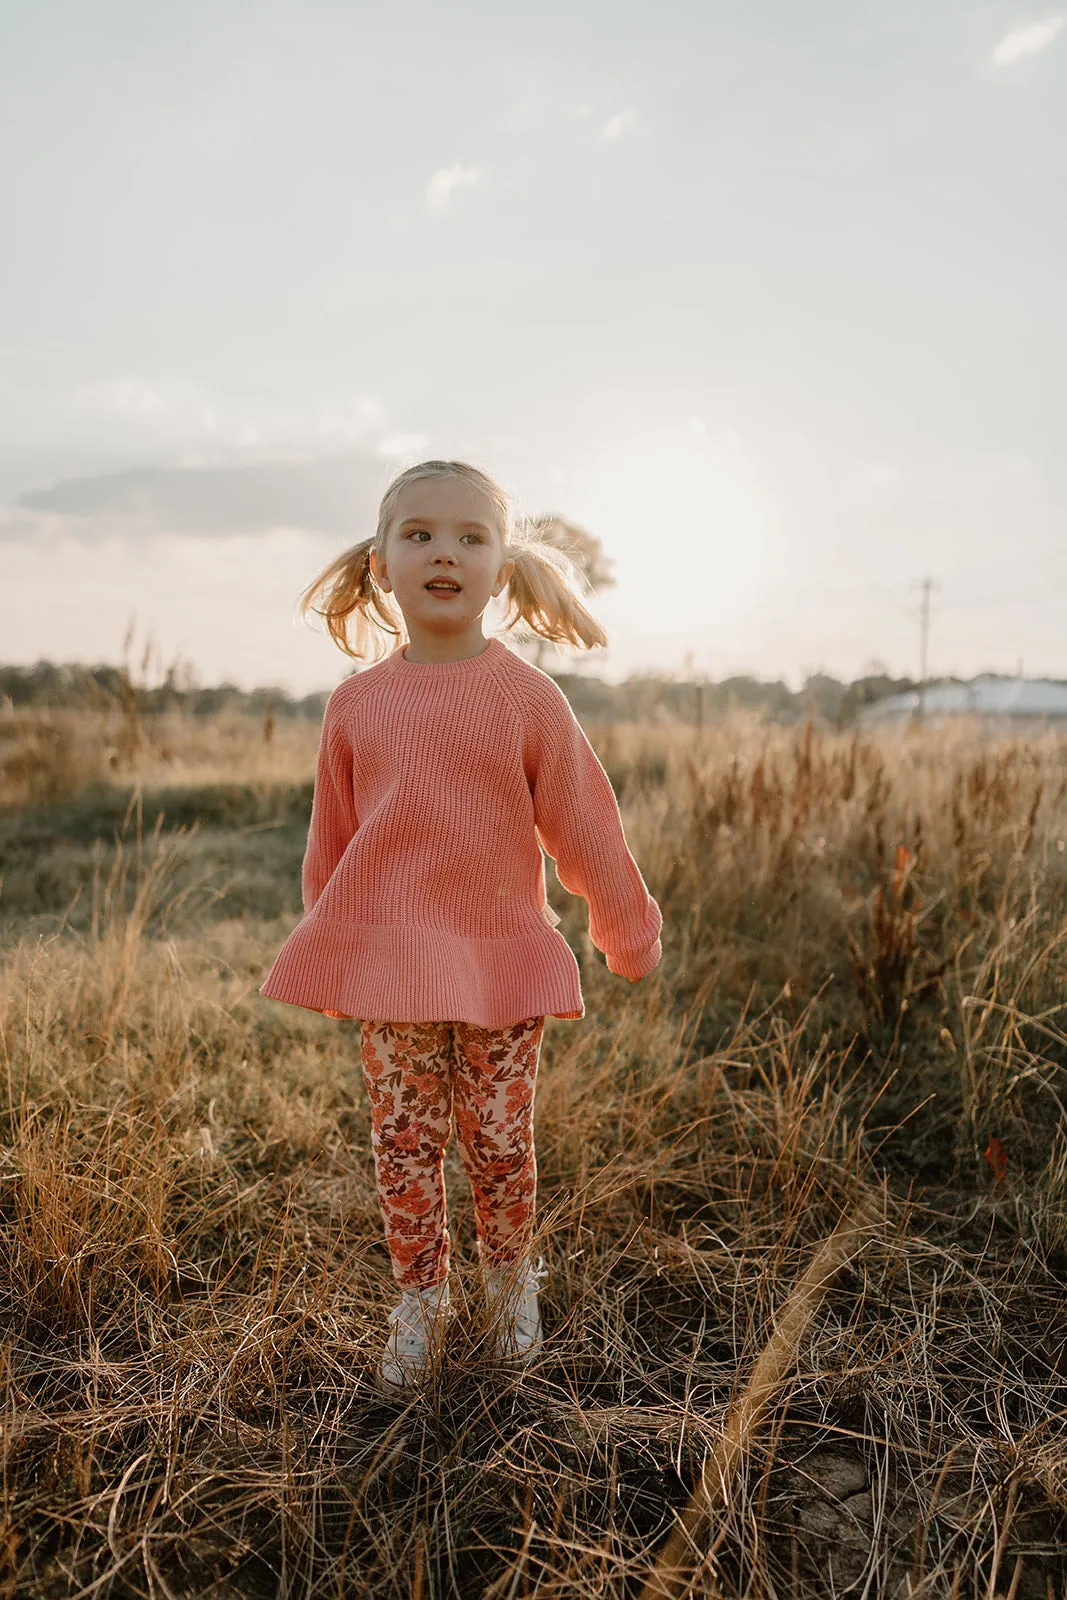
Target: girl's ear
column 503, row 574
column 377, row 568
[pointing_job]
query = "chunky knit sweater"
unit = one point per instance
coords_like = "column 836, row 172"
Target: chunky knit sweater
column 437, row 784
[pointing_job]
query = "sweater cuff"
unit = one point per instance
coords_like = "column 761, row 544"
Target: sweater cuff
column 637, row 965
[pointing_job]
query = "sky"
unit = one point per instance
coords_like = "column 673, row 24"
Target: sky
column 769, row 298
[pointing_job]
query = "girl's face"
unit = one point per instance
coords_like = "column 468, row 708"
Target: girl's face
column 442, row 531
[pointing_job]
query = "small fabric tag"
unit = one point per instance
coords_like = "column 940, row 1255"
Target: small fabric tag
column 549, row 915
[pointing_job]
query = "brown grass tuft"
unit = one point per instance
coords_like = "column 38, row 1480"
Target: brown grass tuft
column 862, row 993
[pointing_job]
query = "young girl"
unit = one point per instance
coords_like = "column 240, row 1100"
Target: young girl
column 442, row 771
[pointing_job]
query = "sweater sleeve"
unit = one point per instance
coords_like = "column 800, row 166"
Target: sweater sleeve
column 333, row 813
column 578, row 821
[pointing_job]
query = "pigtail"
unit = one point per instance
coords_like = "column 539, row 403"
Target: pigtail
column 349, row 590
column 543, row 597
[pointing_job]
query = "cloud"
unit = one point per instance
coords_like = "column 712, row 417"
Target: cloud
column 397, row 445
column 878, row 475
column 127, row 398
column 336, row 496
column 446, row 181
column 617, row 125
column 1025, row 41
column 168, row 418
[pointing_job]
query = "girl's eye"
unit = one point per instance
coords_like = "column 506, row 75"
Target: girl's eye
column 413, row 531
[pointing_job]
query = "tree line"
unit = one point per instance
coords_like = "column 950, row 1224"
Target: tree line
column 643, row 697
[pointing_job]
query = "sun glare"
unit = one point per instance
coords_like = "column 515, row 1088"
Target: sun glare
column 693, row 533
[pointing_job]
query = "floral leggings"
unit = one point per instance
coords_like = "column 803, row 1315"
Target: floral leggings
column 416, row 1074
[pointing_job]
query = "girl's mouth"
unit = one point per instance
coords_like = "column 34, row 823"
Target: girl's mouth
column 442, row 586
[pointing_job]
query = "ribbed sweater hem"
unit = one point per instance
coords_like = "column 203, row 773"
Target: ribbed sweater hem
column 422, row 974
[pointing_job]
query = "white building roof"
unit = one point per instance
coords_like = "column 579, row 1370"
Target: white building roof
column 983, row 697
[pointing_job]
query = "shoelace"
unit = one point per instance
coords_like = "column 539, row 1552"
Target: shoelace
column 525, row 1314
column 414, row 1320
column 534, row 1277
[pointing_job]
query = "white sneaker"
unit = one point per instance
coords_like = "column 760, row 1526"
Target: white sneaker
column 416, row 1327
column 512, row 1295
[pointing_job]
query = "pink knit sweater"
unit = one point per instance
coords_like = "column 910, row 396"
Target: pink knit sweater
column 436, row 785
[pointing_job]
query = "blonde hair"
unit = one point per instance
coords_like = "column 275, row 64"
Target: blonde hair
column 543, row 593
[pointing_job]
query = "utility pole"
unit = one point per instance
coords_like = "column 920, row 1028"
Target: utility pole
column 924, row 639
column 924, row 644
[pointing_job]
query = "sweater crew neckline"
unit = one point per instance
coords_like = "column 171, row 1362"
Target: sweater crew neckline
column 463, row 668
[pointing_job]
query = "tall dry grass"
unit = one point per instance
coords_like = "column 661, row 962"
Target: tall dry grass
column 862, row 995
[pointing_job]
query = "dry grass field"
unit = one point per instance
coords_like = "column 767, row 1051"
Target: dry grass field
column 863, row 993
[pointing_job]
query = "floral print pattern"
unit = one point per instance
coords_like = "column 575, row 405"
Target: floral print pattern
column 418, row 1076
